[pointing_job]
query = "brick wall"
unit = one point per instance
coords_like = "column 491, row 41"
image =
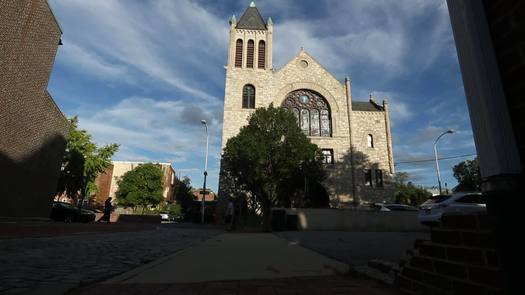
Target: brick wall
column 460, row 258
column 506, row 19
column 32, row 128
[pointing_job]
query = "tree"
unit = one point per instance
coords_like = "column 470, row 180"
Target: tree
column 269, row 156
column 82, row 162
column 468, row 175
column 407, row 192
column 141, row 187
column 183, row 194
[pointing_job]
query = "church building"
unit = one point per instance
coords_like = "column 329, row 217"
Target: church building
column 354, row 136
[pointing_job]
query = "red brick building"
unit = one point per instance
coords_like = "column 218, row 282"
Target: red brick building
column 33, row 130
column 107, row 181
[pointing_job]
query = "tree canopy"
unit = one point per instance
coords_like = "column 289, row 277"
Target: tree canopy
column 468, row 175
column 141, row 187
column 269, row 157
column 183, row 194
column 82, row 162
column 407, row 193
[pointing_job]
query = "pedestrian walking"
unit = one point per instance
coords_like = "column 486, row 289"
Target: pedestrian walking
column 228, row 216
column 108, row 208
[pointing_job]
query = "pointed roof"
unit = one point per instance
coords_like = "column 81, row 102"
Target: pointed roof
column 251, row 19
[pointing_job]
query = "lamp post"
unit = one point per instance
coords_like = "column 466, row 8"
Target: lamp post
column 203, row 204
column 436, row 156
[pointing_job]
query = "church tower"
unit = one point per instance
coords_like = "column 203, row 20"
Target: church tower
column 250, row 41
column 249, row 68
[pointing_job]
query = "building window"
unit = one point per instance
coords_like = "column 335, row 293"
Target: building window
column 379, row 178
column 328, row 156
column 368, row 177
column 311, row 110
column 249, row 57
column 370, row 141
column 238, row 54
column 262, row 55
column 248, row 97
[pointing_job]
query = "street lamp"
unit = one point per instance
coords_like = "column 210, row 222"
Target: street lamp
column 203, row 204
column 436, row 156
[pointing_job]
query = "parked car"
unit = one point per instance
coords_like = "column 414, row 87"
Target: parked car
column 380, row 207
column 68, row 213
column 393, row 207
column 432, row 209
column 164, row 216
column 400, row 207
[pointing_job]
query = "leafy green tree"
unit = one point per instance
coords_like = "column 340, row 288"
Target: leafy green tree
column 183, row 194
column 141, row 187
column 468, row 175
column 82, row 162
column 407, row 192
column 269, row 154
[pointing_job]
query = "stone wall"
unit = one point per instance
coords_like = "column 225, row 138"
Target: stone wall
column 32, row 128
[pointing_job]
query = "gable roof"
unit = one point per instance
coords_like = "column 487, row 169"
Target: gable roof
column 367, row 106
column 251, row 19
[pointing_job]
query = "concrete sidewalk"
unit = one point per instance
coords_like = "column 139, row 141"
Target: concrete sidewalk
column 249, row 263
column 235, row 257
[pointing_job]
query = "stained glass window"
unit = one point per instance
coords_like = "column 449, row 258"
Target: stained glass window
column 305, row 121
column 314, row 123
column 325, row 123
column 311, row 110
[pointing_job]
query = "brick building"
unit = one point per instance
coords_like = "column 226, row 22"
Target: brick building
column 33, row 130
column 354, row 136
column 107, row 181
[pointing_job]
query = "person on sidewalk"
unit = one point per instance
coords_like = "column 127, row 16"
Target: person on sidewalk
column 228, row 216
column 108, row 208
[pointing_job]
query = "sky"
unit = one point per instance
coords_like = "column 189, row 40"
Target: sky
column 143, row 74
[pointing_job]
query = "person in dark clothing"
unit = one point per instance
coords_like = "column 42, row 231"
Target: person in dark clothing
column 108, row 208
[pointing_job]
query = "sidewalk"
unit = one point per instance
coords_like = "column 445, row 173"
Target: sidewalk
column 249, row 263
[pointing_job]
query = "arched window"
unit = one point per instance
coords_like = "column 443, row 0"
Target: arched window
column 311, row 110
column 249, row 57
column 248, row 97
column 370, row 141
column 262, row 55
column 238, row 53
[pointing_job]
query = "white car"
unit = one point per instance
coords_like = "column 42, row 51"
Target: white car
column 165, row 217
column 431, row 210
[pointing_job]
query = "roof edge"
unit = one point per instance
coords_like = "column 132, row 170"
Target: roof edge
column 54, row 16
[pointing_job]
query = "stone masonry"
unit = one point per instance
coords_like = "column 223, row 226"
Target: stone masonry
column 351, row 122
column 32, row 128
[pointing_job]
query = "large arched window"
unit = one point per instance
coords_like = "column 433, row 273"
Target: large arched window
column 249, row 57
column 261, row 55
column 238, row 53
column 311, row 110
column 248, row 97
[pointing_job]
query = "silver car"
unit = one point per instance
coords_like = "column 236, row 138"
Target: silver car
column 431, row 210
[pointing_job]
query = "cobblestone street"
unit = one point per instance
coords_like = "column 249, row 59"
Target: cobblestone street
column 52, row 265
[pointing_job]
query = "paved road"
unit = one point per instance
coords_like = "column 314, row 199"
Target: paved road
column 357, row 248
column 51, row 265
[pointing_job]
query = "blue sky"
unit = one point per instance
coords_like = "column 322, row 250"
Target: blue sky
column 144, row 73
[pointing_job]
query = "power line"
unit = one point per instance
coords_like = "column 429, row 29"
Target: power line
column 431, row 160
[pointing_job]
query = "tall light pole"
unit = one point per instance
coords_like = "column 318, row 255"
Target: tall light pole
column 436, row 156
column 203, row 204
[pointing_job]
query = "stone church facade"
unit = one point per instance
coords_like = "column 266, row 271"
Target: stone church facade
column 354, row 136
